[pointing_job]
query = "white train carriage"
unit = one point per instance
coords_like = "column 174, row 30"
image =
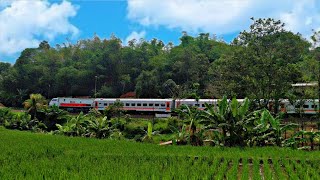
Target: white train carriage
column 200, row 103
column 192, row 102
column 137, row 105
column 307, row 106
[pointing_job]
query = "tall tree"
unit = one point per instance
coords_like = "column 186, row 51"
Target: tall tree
column 316, row 40
column 268, row 54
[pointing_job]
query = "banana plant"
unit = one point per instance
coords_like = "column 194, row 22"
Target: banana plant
column 51, row 116
column 231, row 118
column 149, row 133
column 66, row 129
column 192, row 116
column 276, row 127
column 311, row 137
column 181, row 136
column 77, row 126
column 98, row 127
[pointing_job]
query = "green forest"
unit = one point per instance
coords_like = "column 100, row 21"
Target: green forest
column 261, row 63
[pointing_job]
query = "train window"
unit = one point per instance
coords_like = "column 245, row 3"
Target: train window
column 133, row 104
column 163, row 105
column 197, row 105
column 138, row 104
column 145, row 104
column 127, row 104
column 106, row 104
column 202, row 105
column 297, row 106
column 156, row 105
column 306, row 106
column 314, row 106
column 150, row 104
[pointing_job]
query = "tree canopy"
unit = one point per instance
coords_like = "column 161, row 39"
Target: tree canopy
column 260, row 63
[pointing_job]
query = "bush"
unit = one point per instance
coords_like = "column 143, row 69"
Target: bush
column 162, row 127
column 135, row 129
column 5, row 114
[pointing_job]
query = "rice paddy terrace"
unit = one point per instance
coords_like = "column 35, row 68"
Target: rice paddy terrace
column 26, row 155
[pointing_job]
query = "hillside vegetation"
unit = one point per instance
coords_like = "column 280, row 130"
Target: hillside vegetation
column 260, row 63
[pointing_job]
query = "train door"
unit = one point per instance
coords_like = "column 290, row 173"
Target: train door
column 167, row 106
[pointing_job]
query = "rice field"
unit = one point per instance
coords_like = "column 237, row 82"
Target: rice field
column 25, row 155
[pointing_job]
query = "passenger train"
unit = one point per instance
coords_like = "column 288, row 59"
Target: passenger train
column 167, row 106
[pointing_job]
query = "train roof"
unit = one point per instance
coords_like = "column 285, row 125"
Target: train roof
column 132, row 100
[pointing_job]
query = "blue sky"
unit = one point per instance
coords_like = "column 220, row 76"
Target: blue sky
column 25, row 23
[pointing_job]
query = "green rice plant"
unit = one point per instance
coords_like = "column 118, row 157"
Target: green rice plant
column 267, row 171
column 278, row 169
column 256, row 174
column 302, row 173
column 222, row 169
column 232, row 173
column 213, row 165
column 290, row 169
column 309, row 168
column 26, row 155
column 245, row 169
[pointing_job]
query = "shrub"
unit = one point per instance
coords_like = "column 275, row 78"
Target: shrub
column 162, row 127
column 135, row 129
column 5, row 114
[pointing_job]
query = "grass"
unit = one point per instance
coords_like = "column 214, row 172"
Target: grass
column 26, row 155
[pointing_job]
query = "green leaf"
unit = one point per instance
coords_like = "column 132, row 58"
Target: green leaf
column 244, row 107
column 234, row 107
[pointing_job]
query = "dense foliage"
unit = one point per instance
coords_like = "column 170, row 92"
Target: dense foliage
column 259, row 63
column 227, row 124
column 41, row 156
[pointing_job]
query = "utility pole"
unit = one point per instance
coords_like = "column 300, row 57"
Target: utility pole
column 95, row 86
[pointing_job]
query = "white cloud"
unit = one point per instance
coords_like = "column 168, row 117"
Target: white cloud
column 222, row 17
column 26, row 23
column 135, row 35
column 303, row 17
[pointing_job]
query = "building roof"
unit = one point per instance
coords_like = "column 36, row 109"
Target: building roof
column 305, row 84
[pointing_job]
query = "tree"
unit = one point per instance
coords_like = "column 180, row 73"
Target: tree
column 264, row 62
column 4, row 67
column 35, row 103
column 316, row 40
column 147, row 84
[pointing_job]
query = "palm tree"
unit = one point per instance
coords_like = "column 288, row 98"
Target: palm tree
column 36, row 102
